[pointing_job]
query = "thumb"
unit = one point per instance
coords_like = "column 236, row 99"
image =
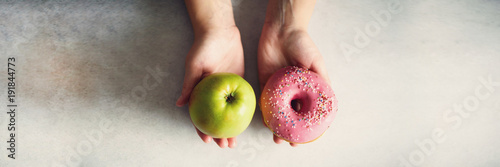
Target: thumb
column 320, row 68
column 191, row 78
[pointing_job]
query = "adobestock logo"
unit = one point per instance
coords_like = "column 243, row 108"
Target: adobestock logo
column 77, row 154
column 363, row 37
column 87, row 146
column 249, row 149
column 454, row 117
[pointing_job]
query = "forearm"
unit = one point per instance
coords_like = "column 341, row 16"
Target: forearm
column 207, row 15
column 294, row 14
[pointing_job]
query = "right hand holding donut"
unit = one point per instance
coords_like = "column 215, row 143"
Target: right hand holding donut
column 288, row 44
column 295, row 48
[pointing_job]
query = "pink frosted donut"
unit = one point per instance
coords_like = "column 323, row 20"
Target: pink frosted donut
column 316, row 98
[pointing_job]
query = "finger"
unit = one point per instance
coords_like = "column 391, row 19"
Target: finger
column 294, row 144
column 263, row 121
column 203, row 136
column 319, row 67
column 222, row 142
column 277, row 140
column 231, row 142
column 263, row 77
column 265, row 72
column 191, row 78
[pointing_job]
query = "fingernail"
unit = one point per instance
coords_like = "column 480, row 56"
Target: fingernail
column 178, row 102
column 232, row 144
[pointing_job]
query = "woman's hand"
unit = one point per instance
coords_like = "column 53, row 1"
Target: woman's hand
column 217, row 48
column 285, row 42
column 217, row 51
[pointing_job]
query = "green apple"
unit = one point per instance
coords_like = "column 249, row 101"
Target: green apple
column 222, row 105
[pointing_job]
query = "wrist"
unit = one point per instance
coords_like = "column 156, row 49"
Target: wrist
column 230, row 32
column 210, row 15
column 202, row 31
column 288, row 15
column 276, row 31
column 282, row 30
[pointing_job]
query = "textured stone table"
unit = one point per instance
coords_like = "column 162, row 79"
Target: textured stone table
column 96, row 82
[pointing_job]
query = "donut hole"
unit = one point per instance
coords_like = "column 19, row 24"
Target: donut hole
column 296, row 105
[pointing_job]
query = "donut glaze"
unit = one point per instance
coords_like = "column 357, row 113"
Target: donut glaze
column 317, row 99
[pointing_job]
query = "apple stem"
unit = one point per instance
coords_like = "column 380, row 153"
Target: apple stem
column 229, row 98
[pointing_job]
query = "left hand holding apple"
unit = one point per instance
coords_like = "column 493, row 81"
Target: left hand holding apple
column 215, row 51
column 217, row 48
